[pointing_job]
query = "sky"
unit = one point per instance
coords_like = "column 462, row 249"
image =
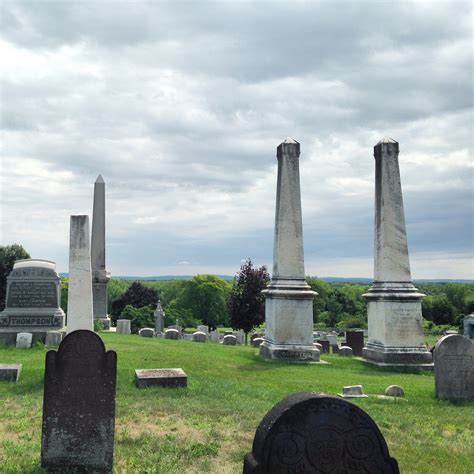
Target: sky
column 180, row 107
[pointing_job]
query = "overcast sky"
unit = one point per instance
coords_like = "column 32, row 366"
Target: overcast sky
column 181, row 105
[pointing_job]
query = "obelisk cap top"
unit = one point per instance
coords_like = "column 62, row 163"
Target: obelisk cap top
column 289, row 147
column 100, row 180
column 387, row 144
column 386, row 140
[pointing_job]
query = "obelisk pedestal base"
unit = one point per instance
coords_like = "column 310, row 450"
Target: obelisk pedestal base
column 289, row 322
column 398, row 356
column 289, row 352
column 395, row 327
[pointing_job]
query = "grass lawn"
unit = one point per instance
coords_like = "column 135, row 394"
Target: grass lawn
column 209, row 426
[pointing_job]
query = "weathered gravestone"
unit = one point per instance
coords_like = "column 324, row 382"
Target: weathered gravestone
column 23, row 340
column 10, row 372
column 171, row 334
column 124, row 326
column 229, row 340
column 146, row 332
column 325, row 346
column 345, row 351
column 454, row 368
column 199, row 336
column 318, row 433
column 33, row 296
column 79, row 405
column 355, row 340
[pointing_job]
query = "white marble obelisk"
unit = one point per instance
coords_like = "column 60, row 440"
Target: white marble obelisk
column 393, row 303
column 288, row 298
column 100, row 276
column 79, row 299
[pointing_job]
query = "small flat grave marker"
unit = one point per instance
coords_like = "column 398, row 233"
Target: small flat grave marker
column 79, row 405
column 318, row 433
column 161, row 377
column 10, row 372
column 352, row 391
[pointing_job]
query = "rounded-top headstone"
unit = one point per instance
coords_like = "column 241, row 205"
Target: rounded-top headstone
column 124, row 326
column 255, row 335
column 345, row 351
column 315, row 432
column 454, row 368
column 394, row 391
column 146, row 332
column 256, row 341
column 199, row 336
column 23, row 340
column 229, row 340
column 172, row 334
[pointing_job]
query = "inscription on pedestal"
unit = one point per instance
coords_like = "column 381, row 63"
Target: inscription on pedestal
column 32, row 294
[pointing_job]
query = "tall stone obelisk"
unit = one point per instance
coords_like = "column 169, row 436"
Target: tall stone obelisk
column 100, row 276
column 288, row 298
column 79, row 298
column 393, row 303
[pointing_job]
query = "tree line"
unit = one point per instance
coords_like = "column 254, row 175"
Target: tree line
column 213, row 301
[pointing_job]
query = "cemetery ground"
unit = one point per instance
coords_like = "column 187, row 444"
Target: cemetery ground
column 209, row 426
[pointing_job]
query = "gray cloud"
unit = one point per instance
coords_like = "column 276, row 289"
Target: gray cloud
column 180, row 106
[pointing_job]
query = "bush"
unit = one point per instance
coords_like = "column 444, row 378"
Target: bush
column 139, row 317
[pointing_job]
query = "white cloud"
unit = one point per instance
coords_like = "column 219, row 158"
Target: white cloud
column 181, row 111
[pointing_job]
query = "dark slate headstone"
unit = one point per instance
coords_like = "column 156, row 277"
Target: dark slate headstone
column 355, row 340
column 454, row 368
column 79, row 405
column 325, row 345
column 318, row 433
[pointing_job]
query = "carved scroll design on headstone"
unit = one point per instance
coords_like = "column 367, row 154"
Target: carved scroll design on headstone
column 79, row 404
column 309, row 432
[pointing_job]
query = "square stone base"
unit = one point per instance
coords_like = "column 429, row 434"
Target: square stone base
column 10, row 372
column 160, row 377
column 403, row 357
column 289, row 352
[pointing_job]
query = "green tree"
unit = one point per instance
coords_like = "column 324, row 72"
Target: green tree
column 205, row 296
column 137, row 295
column 139, row 317
column 246, row 303
column 9, row 254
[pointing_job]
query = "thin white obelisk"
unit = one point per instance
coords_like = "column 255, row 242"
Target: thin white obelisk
column 288, row 298
column 79, row 301
column 393, row 303
column 100, row 276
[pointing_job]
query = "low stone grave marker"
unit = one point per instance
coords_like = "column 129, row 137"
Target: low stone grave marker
column 146, row 332
column 229, row 340
column 161, row 377
column 23, row 340
column 454, row 368
column 318, row 346
column 256, row 341
column 203, row 328
column 123, row 326
column 353, row 391
column 345, row 351
column 171, row 334
column 79, row 405
column 311, row 432
column 214, row 336
column 53, row 338
column 10, row 372
column 394, row 391
column 199, row 336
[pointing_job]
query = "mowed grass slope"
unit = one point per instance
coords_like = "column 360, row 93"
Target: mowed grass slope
column 209, row 426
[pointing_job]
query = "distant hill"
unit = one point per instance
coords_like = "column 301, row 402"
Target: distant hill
column 361, row 281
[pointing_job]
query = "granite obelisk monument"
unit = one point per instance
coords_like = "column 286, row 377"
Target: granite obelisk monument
column 288, row 298
column 79, row 298
column 100, row 276
column 393, row 303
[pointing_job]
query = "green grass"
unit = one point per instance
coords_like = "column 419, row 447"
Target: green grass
column 209, row 426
